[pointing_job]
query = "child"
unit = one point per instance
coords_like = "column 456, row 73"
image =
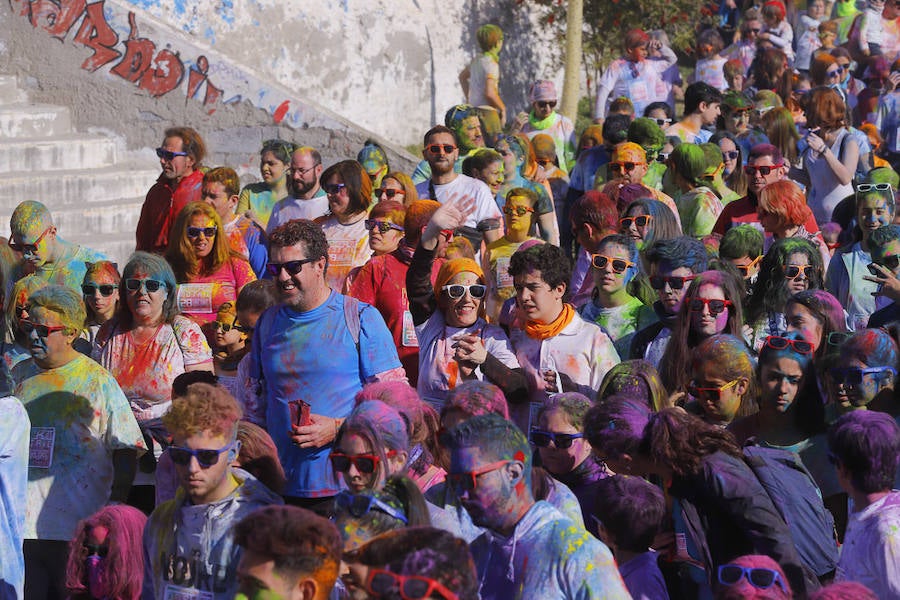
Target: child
column 628, row 513
column 229, row 347
column 827, row 36
column 519, row 216
column 871, row 28
column 777, row 31
column 806, row 31
column 709, row 62
column 254, row 299
column 723, row 380
column 887, row 117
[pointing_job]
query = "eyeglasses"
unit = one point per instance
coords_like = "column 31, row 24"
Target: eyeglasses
column 546, row 103
column 304, row 171
column 292, row 266
column 467, row 482
column 663, row 122
column 206, row 457
column 627, row 167
column 853, row 376
column 889, row 262
column 868, row 187
column 745, row 269
column 640, row 221
column 333, row 188
column 43, row 331
column 519, row 211
column 731, row 154
column 793, row 271
column 658, row 282
column 777, row 342
column 542, row 439
column 145, row 285
column 31, row 248
column 106, row 289
column 836, row 338
column 715, row 306
column 384, row 584
column 457, row 290
column 389, row 192
column 359, row 505
column 96, row 549
column 599, row 261
column 382, row 226
column 758, row 577
column 709, row 393
column 208, row 232
column 437, row 148
column 763, row 170
column 168, row 155
column 364, row 463
column 833, row 73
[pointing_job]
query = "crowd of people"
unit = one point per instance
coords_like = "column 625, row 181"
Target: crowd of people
column 654, row 359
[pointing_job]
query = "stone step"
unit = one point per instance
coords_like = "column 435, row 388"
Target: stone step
column 43, row 156
column 9, row 90
column 83, row 187
column 34, row 120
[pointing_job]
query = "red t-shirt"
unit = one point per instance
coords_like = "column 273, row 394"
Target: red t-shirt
column 161, row 206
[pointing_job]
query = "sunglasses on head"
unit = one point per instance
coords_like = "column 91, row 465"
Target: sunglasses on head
column 762, row 169
column 333, row 188
column 519, row 211
column 364, row 463
column 889, row 262
column 42, row 330
column 626, row 167
column 437, row 148
column 715, row 306
column 31, row 248
column 793, row 271
column 106, row 289
column 658, row 282
column 599, row 261
column 879, row 187
column 385, row 584
column 758, row 577
column 168, row 154
column 206, row 457
column 359, row 505
column 542, row 439
column 709, row 393
column 292, row 266
column 853, row 376
column 639, row 220
column 389, row 193
column 382, row 226
column 777, row 342
column 457, row 290
column 467, row 482
column 208, row 232
column 147, row 285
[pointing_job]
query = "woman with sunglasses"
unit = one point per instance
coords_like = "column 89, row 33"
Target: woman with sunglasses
column 712, row 305
column 612, row 307
column 790, row 266
column 258, row 199
column 559, row 437
column 147, row 332
column 698, row 205
column 101, row 295
column 455, row 342
column 399, row 187
column 782, row 211
column 208, row 271
column 647, row 220
column 349, row 191
column 723, row 385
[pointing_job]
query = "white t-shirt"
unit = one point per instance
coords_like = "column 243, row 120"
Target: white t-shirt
column 871, row 550
column 462, row 187
column 482, row 68
column 289, row 208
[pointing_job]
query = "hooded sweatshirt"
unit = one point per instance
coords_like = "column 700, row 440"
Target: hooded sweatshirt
column 190, row 548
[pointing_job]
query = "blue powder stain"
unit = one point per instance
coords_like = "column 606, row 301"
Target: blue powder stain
column 180, row 7
column 227, row 11
column 144, row 3
column 210, row 34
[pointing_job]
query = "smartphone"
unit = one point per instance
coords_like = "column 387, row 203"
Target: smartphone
column 299, row 413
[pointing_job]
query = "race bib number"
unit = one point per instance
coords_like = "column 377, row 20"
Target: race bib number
column 408, row 338
column 40, row 448
column 176, row 592
column 340, row 252
column 195, row 298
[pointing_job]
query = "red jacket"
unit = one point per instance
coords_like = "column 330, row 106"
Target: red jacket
column 162, row 205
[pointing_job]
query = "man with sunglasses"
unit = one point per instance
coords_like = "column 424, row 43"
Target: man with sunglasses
column 179, row 184
column 84, row 437
column 543, row 118
column 884, row 245
column 307, row 199
column 529, row 549
column 673, row 264
column 317, row 346
column 189, row 545
column 629, row 165
column 39, row 249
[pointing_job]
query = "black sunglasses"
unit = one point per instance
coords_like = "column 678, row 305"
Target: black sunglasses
column 542, row 439
column 793, row 271
column 208, row 232
column 106, row 289
column 96, row 549
column 292, row 266
column 206, row 457
column 715, row 306
column 388, row 192
column 168, row 154
column 359, row 505
column 658, row 282
column 150, row 285
column 599, row 261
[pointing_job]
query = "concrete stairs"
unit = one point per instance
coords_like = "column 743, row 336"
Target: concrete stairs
column 93, row 188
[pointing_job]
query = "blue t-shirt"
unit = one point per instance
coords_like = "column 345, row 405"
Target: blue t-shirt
column 311, row 356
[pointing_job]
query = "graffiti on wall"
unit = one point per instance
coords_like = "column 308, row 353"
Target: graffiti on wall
column 138, row 60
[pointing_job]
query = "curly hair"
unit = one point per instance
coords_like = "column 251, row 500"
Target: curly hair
column 770, row 294
column 180, row 253
column 227, row 176
column 301, row 230
column 679, row 441
column 259, row 456
column 203, row 407
column 550, row 260
column 785, row 200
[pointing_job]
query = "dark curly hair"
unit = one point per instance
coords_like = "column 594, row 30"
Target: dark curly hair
column 301, row 230
column 550, row 260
